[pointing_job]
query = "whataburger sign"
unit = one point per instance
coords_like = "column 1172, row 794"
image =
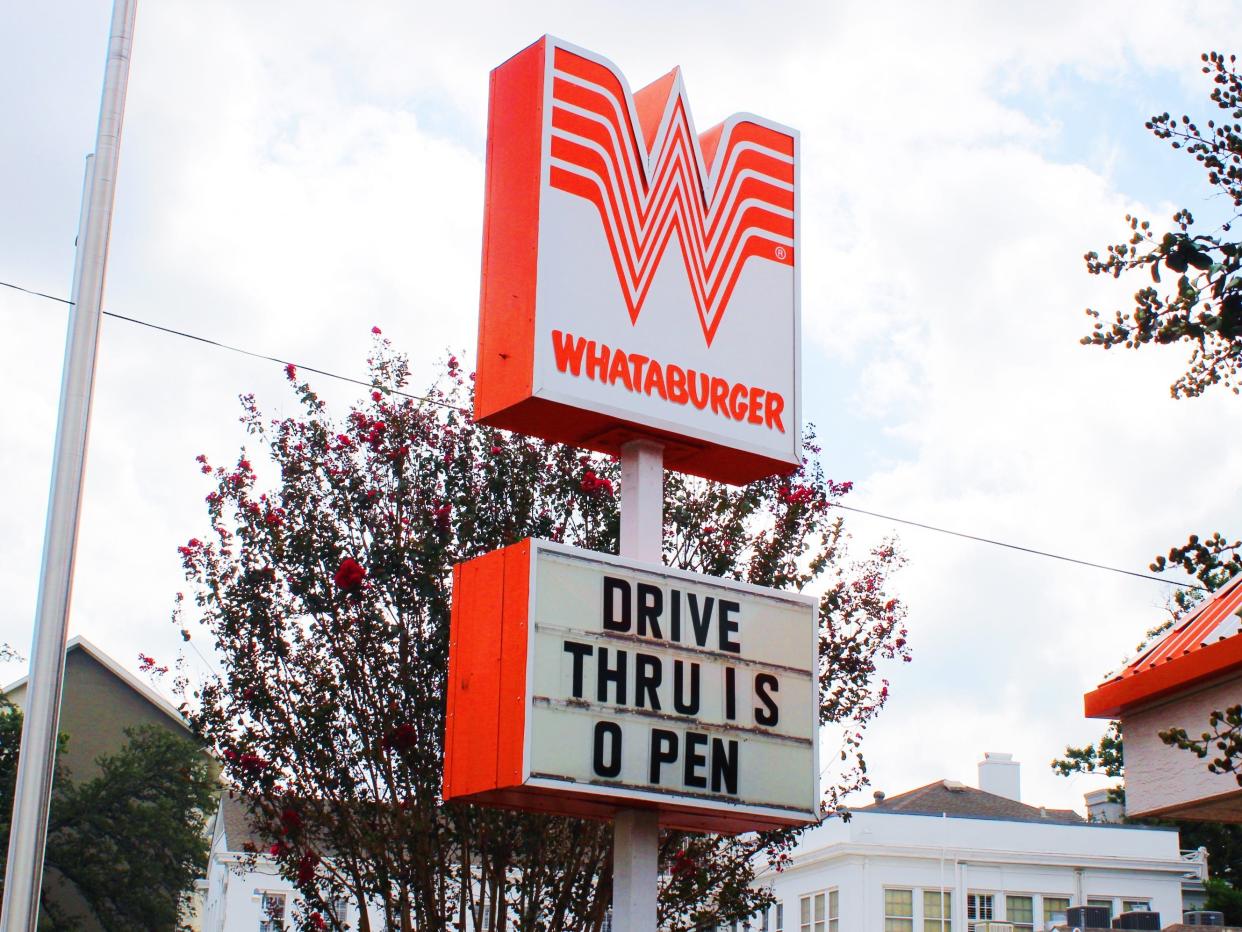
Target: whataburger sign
column 637, row 275
column 579, row 681
column 639, row 282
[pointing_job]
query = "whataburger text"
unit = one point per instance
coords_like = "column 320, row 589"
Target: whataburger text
column 751, row 404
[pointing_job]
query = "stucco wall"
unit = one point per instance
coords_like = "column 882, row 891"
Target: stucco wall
column 1158, row 776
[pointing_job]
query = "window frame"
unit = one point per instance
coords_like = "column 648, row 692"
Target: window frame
column 944, row 921
column 1057, row 898
column 808, row 905
column 1024, row 926
column 899, row 918
column 269, row 919
column 976, row 897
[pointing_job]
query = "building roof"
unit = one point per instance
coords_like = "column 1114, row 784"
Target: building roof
column 947, row 797
column 238, row 830
column 129, row 679
column 1205, row 644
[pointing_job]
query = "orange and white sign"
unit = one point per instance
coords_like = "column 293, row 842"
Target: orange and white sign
column 580, row 683
column 639, row 279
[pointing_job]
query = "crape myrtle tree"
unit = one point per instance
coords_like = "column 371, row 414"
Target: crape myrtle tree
column 1195, row 294
column 327, row 589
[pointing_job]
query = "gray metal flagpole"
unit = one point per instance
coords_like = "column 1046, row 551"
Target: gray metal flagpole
column 23, row 876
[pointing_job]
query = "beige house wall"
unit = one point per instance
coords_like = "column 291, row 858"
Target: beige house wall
column 1159, row 778
column 96, row 708
column 97, row 705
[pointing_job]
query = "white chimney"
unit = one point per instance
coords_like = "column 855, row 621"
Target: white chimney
column 1000, row 774
column 1101, row 807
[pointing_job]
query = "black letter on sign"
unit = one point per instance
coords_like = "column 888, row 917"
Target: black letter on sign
column 604, row 676
column 680, row 703
column 612, row 588
column 730, row 693
column 607, row 764
column 647, row 676
column 579, row 652
column 663, row 751
column 765, row 684
column 724, row 766
column 700, row 622
column 650, row 604
column 728, row 625
column 696, row 742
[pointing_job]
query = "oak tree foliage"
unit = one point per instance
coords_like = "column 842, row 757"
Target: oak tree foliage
column 128, row 840
column 326, row 588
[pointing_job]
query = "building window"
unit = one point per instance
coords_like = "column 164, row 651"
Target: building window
column 834, row 914
column 339, row 909
column 814, row 913
column 1055, row 908
column 780, row 918
column 1020, row 910
column 898, row 911
column 979, row 906
column 937, row 911
column 1136, row 906
column 1103, row 904
column 272, row 909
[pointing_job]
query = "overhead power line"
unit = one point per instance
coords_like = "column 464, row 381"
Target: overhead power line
column 1031, row 550
column 443, row 404
column 238, row 349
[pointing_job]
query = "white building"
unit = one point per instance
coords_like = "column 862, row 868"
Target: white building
column 946, row 856
column 241, row 894
column 245, row 893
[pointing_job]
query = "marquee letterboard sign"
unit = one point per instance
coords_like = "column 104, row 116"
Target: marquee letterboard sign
column 580, row 683
column 638, row 278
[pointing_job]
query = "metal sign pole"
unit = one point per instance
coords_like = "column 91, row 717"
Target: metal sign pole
column 636, row 832
column 23, row 878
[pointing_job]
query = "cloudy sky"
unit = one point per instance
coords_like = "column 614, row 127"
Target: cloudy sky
column 292, row 174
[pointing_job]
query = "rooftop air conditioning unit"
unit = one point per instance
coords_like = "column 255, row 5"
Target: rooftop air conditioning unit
column 1138, row 919
column 1088, row 917
column 1204, row 917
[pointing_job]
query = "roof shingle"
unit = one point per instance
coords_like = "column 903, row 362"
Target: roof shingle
column 954, row 799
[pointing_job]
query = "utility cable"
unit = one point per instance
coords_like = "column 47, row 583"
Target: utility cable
column 1032, row 550
column 444, row 404
column 241, row 350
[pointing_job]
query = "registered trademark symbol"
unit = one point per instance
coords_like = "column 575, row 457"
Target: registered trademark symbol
column 780, row 252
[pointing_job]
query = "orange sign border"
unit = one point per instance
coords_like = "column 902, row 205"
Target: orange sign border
column 487, row 692
column 506, row 342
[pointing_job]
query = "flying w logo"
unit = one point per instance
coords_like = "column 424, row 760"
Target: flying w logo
column 727, row 194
